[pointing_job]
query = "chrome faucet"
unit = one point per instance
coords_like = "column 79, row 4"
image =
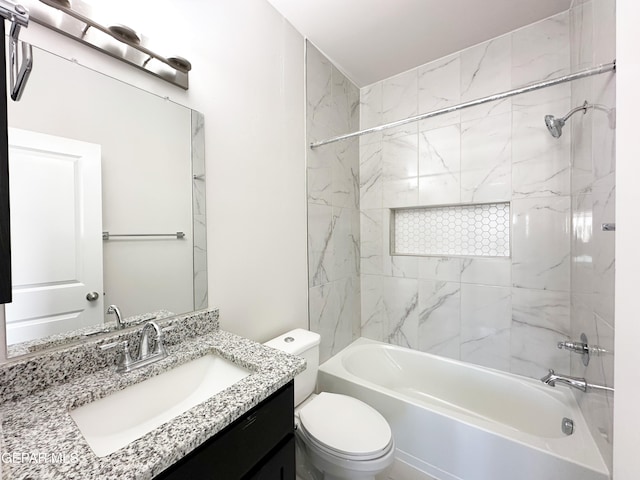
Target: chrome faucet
column 114, row 309
column 579, row 383
column 551, row 378
column 582, row 348
column 159, row 351
column 145, row 355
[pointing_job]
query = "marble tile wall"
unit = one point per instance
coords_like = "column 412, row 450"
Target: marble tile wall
column 593, row 203
column 333, row 195
column 505, row 313
column 200, row 291
column 501, row 313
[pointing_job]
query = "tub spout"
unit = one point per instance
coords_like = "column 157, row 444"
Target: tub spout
column 551, row 378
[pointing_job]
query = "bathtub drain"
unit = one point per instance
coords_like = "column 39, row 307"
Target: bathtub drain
column 567, row 426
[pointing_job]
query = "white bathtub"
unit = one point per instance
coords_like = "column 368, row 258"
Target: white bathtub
column 457, row 421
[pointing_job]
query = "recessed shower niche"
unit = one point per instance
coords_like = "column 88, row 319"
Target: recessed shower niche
column 480, row 230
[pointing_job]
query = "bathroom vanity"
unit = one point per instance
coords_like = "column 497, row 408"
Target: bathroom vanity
column 245, row 430
column 258, row 445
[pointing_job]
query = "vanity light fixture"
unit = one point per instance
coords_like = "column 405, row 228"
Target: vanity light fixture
column 125, row 34
column 62, row 3
column 179, row 62
column 117, row 40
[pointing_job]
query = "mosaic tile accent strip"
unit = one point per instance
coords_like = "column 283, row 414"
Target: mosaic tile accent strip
column 457, row 230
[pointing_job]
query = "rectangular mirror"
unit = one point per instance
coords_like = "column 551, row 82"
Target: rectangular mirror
column 90, row 154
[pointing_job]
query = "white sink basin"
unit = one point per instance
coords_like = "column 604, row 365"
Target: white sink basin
column 113, row 422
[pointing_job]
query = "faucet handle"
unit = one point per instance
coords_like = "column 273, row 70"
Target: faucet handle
column 125, row 359
column 581, row 348
column 578, row 347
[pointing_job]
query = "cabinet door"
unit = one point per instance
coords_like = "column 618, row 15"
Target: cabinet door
column 281, row 465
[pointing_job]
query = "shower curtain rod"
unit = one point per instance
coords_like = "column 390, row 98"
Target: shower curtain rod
column 607, row 67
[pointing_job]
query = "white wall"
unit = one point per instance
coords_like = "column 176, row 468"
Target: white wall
column 626, row 461
column 248, row 81
column 256, row 179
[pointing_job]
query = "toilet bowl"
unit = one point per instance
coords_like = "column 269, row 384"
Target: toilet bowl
column 342, row 437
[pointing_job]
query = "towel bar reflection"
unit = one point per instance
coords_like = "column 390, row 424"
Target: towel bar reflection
column 107, row 235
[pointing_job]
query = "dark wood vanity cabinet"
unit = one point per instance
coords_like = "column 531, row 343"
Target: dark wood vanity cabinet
column 258, row 446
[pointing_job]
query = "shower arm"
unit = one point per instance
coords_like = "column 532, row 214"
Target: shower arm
column 584, row 107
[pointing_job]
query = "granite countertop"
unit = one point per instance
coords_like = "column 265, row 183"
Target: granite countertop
column 41, row 441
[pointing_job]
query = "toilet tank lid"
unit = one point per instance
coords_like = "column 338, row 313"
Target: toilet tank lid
column 295, row 341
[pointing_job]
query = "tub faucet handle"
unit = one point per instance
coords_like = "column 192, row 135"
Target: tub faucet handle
column 574, row 346
column 581, row 348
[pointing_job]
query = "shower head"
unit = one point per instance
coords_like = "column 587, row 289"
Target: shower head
column 554, row 125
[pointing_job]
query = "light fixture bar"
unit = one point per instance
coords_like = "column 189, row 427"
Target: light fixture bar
column 14, row 13
column 173, row 69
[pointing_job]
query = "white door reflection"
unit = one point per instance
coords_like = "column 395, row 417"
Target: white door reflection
column 56, row 230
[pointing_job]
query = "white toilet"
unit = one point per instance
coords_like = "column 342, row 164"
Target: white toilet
column 342, row 437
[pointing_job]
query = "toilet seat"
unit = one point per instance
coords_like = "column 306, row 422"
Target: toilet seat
column 345, row 427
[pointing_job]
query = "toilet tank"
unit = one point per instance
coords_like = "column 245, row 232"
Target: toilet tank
column 306, row 344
